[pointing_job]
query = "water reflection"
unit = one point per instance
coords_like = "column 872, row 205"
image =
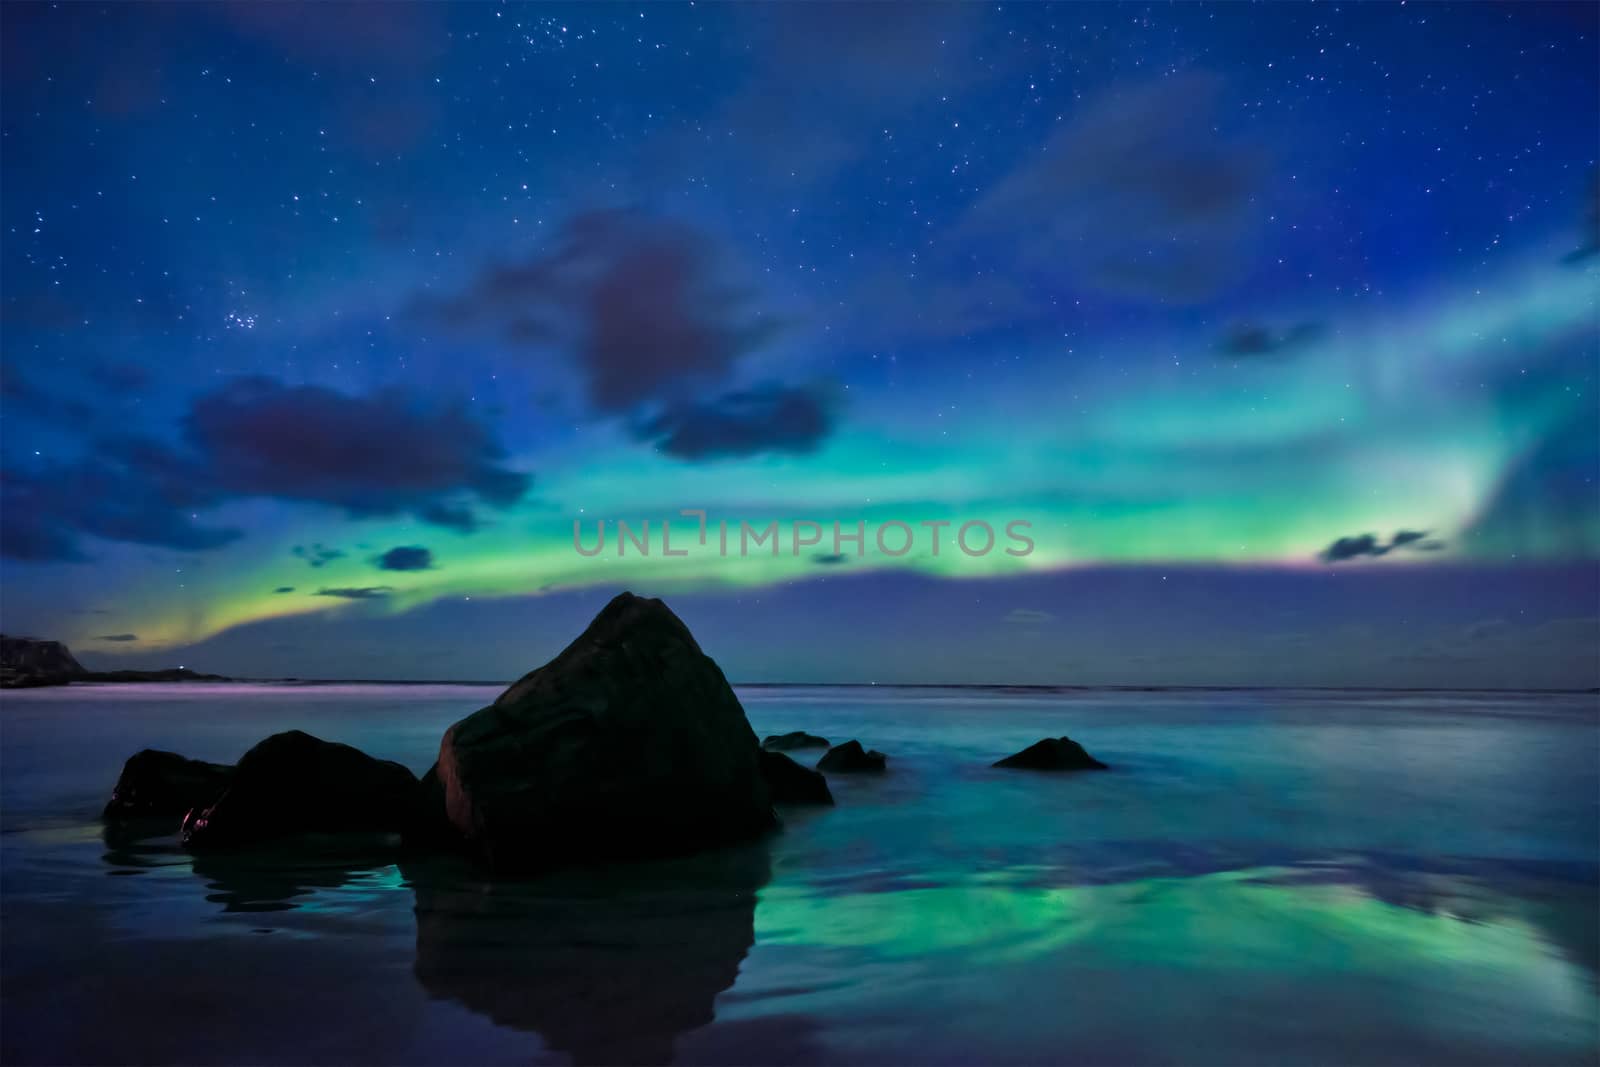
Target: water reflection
column 288, row 875
column 1442, row 961
column 609, row 966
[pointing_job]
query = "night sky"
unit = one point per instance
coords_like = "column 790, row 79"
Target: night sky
column 322, row 325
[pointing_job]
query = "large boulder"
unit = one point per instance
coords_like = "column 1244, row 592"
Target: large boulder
column 628, row 744
column 28, row 661
column 294, row 783
column 791, row 741
column 156, row 783
column 1053, row 754
column 851, row 758
column 791, row 783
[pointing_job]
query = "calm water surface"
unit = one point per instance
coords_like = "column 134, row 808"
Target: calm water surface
column 1265, row 877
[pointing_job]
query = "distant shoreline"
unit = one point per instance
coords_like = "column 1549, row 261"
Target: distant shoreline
column 974, row 686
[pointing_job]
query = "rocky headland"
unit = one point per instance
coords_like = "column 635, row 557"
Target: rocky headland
column 30, row 662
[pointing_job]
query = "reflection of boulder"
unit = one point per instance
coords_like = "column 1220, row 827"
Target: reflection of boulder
column 155, row 783
column 274, row 876
column 794, row 740
column 791, row 783
column 628, row 744
column 294, row 783
column 851, row 758
column 1053, row 754
column 609, row 965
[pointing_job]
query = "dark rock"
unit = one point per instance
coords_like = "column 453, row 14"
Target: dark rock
column 27, row 661
column 791, row 783
column 1053, row 754
column 164, row 783
column 851, row 758
column 628, row 744
column 797, row 739
column 429, row 826
column 294, row 783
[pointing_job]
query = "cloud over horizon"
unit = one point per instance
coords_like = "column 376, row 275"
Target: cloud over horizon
column 387, row 453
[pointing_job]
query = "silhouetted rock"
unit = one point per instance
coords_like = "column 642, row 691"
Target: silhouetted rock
column 429, row 826
column 791, row 783
column 630, row 743
column 851, row 758
column 295, row 783
column 164, row 783
column 1053, row 754
column 791, row 741
column 26, row 662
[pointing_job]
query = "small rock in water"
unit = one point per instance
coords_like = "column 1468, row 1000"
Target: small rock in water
column 851, row 758
column 797, row 739
column 1053, row 754
column 294, row 783
column 791, row 783
column 164, row 783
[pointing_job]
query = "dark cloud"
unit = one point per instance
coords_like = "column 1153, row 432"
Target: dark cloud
column 385, row 454
column 405, row 558
column 647, row 305
column 657, row 326
column 1253, row 339
column 130, row 490
column 767, row 419
column 1138, row 195
column 1346, row 548
column 451, row 517
column 118, row 637
column 317, row 555
column 284, row 589
column 360, row 592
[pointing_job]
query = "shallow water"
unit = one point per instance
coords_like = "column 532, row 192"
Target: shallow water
column 1264, row 877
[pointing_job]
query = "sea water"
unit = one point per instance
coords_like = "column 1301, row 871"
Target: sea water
column 1274, row 877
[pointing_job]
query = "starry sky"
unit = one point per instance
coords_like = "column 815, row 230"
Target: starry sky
column 321, row 327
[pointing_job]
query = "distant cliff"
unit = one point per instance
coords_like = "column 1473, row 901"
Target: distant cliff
column 26, row 662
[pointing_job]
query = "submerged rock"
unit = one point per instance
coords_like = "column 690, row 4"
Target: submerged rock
column 791, row 783
column 294, row 783
column 1053, row 754
column 851, row 758
column 164, row 783
column 630, row 743
column 790, row 741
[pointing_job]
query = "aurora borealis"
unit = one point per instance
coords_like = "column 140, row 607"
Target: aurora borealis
column 322, row 326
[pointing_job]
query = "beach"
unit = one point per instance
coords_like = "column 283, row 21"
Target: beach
column 1264, row 876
